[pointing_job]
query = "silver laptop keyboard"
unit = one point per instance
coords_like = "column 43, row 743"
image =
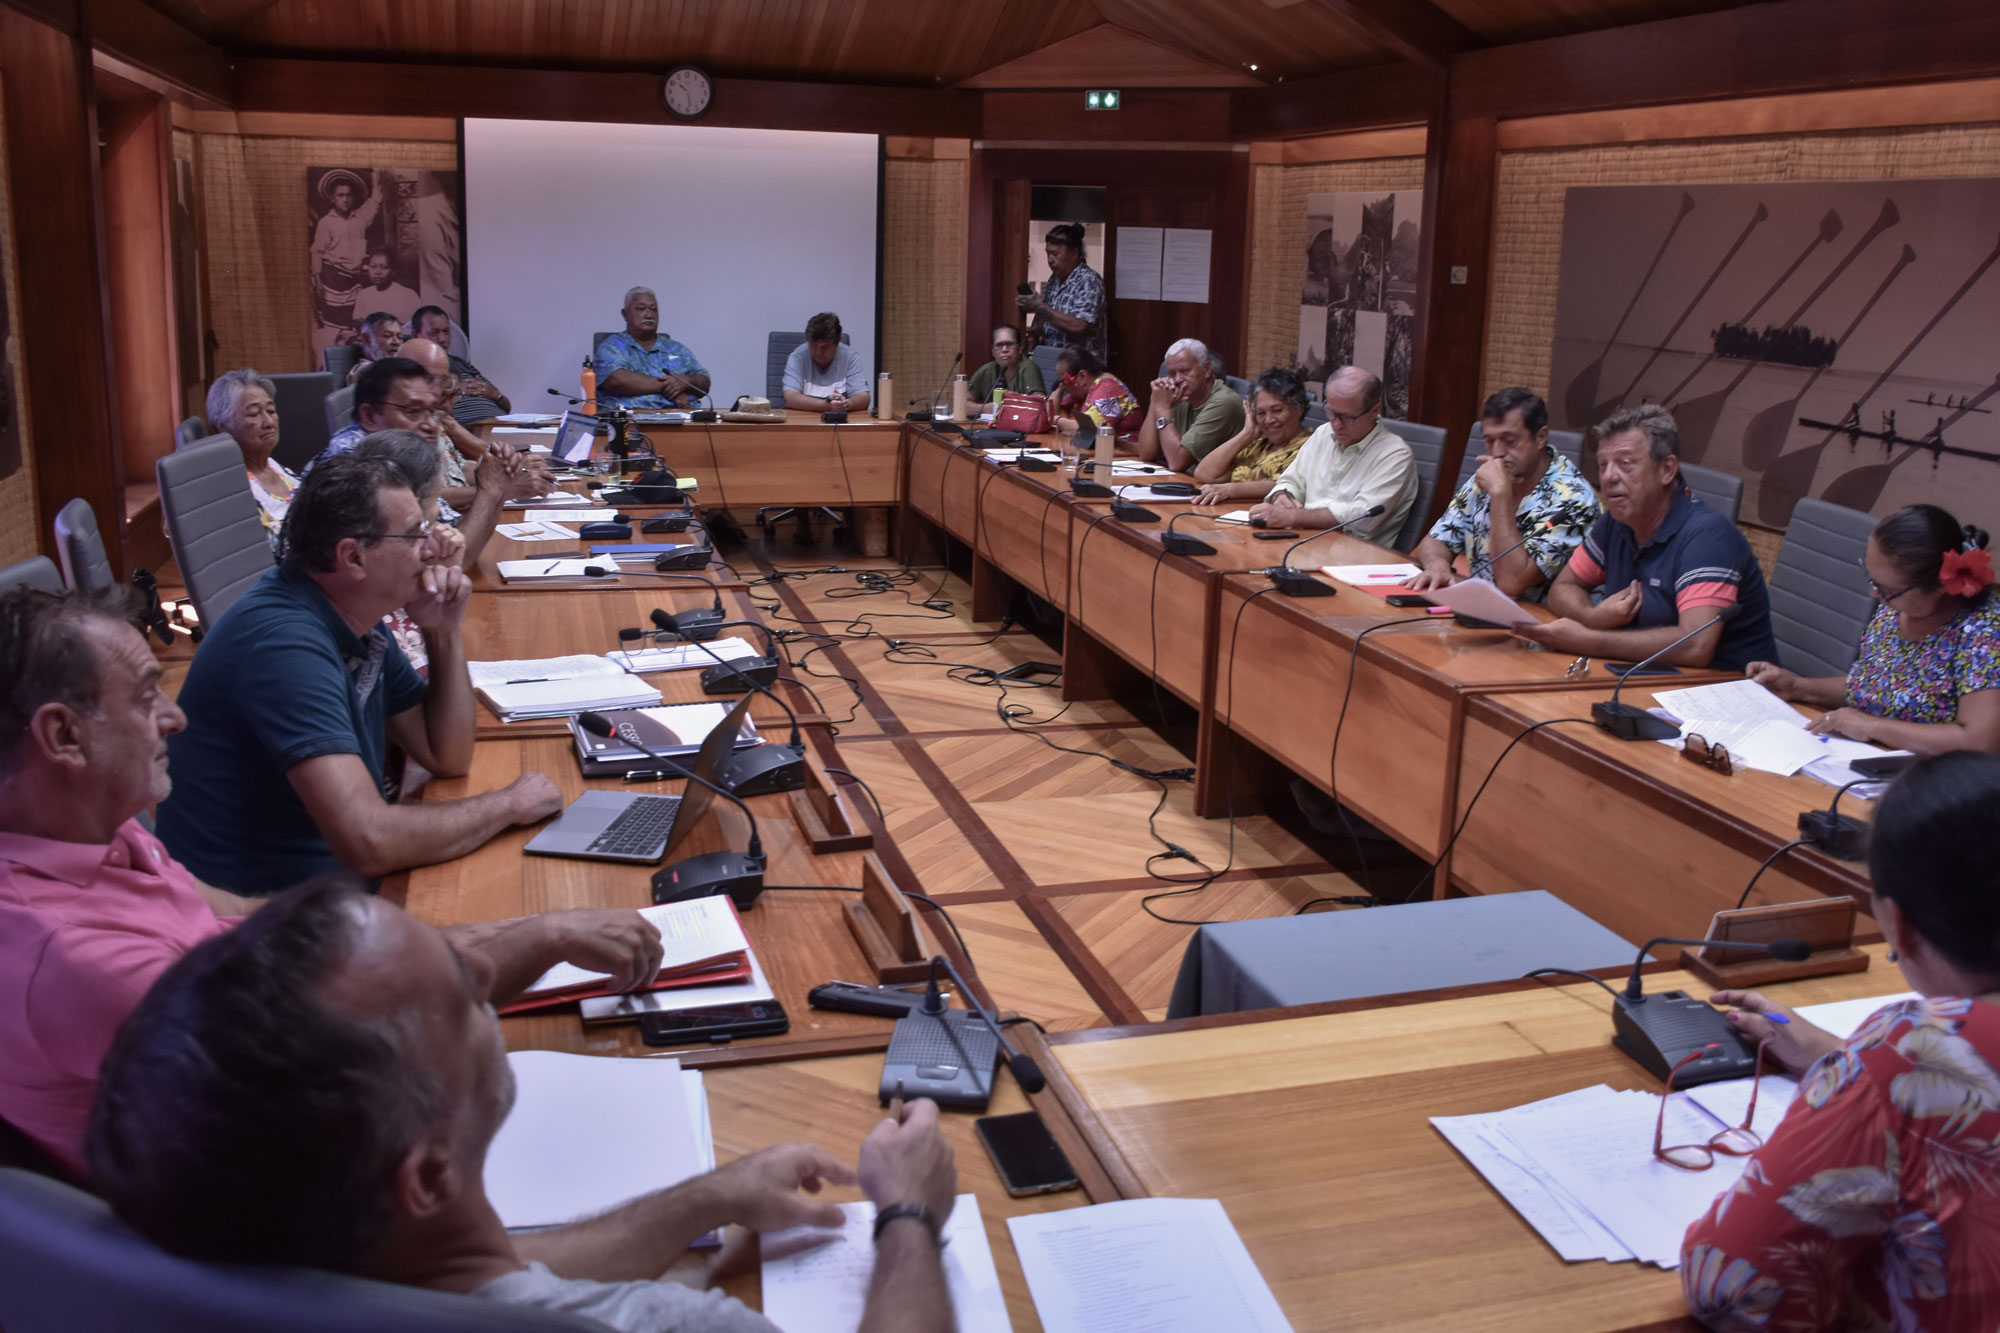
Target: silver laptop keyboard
column 643, row 828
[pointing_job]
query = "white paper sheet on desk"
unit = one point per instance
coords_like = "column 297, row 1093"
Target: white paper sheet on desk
column 1728, row 701
column 1480, row 600
column 524, row 430
column 530, row 571
column 690, row 932
column 1234, row 516
column 541, row 668
column 570, row 516
column 1143, row 494
column 554, row 499
column 1371, row 576
column 541, row 1171
column 1770, row 747
column 824, row 1289
column 1132, row 467
column 1843, row 1018
column 1835, row 768
column 1544, row 1205
column 1143, row 1266
column 627, row 1008
column 537, row 531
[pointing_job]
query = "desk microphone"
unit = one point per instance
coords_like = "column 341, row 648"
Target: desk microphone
column 1179, row 544
column 1300, row 582
column 1837, row 835
column 1487, row 563
column 1631, row 723
column 948, row 1054
column 758, row 670
column 1660, row 1030
column 931, row 413
column 740, row 875
column 763, row 768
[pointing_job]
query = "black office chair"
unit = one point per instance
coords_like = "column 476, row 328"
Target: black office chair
column 301, row 403
column 66, row 1263
column 339, row 360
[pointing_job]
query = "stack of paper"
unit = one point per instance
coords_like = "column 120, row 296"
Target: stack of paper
column 1234, row 516
column 627, row 1008
column 537, row 530
column 1580, row 1169
column 570, row 515
column 517, row 698
column 702, row 944
column 816, row 1281
column 648, row 1129
column 1372, row 576
column 1761, row 731
column 526, row 418
column 1481, row 600
column 1143, row 1266
column 531, row 571
column 553, row 498
column 680, row 656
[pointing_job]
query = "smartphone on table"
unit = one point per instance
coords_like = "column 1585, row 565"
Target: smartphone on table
column 1026, row 1155
column 719, row 1023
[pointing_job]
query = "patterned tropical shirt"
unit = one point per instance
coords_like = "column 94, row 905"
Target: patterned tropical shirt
column 1874, row 1204
column 1260, row 460
column 1081, row 295
column 621, row 351
column 1923, row 681
column 1108, row 403
column 1554, row 517
column 273, row 502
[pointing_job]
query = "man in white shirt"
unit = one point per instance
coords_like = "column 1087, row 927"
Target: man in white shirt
column 1350, row 465
column 824, row 374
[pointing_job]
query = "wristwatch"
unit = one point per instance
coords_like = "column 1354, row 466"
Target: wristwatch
column 1161, row 423
column 897, row 1211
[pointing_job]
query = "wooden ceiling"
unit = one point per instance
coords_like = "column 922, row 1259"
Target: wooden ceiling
column 910, row 42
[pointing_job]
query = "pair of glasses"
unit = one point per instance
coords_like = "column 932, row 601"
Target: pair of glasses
column 1697, row 749
column 425, row 532
column 1736, row 1141
column 1886, row 596
column 1577, row 669
column 1349, row 418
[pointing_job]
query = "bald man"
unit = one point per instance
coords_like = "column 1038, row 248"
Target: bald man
column 1350, row 465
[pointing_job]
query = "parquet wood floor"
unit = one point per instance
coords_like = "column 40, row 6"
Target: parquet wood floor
column 1040, row 855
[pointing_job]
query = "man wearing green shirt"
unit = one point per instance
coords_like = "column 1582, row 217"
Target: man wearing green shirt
column 1191, row 411
column 1011, row 370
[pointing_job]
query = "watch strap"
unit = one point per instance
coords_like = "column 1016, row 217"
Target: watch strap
column 895, row 1212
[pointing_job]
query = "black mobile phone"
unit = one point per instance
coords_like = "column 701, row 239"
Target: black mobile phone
column 723, row 1022
column 1882, row 766
column 1633, row 669
column 1025, row 288
column 1274, row 536
column 1408, row 599
column 1026, row 1155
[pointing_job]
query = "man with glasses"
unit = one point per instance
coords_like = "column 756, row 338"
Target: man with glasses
column 297, row 692
column 394, row 393
column 1666, row 563
column 1011, row 370
column 1350, row 465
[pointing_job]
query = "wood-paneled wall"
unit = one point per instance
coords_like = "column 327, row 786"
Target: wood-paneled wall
column 923, row 262
column 20, row 516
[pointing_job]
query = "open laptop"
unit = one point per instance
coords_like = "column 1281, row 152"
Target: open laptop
column 604, row 825
column 574, row 435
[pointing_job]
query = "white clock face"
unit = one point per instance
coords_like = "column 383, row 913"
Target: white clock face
column 687, row 91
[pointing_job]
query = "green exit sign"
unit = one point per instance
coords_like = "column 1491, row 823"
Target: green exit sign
column 1101, row 99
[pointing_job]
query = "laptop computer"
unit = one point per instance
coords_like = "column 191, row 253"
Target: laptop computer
column 574, row 435
column 603, row 825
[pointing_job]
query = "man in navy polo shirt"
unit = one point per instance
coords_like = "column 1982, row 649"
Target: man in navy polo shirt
column 298, row 689
column 1667, row 561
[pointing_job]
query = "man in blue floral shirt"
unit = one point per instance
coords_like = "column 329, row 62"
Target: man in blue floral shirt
column 1517, row 519
column 642, row 367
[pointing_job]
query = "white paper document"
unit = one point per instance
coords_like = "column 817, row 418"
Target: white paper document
column 627, row 1008
column 1140, row 493
column 1234, row 516
column 1132, row 467
column 562, row 499
column 1135, row 274
column 549, row 431
column 1143, row 1266
column 1184, row 264
column 1371, row 576
column 1480, row 600
column 690, row 932
column 529, row 571
column 683, row 655
column 1772, row 747
column 524, row 418
column 526, row 697
column 543, row 1170
column 1550, row 1209
column 1843, row 1018
column 1728, row 701
column 537, row 531
column 570, row 516
column 816, row 1281
column 523, row 670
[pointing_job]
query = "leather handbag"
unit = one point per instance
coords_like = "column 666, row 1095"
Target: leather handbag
column 1025, row 412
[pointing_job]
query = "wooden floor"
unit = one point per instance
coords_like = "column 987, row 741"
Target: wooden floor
column 1040, row 855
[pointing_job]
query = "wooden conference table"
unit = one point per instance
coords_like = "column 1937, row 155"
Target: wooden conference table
column 1420, row 707
column 1314, row 1132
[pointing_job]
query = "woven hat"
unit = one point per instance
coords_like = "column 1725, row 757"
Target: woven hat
column 342, row 176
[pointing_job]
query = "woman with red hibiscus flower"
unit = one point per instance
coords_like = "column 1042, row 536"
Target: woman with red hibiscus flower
column 1928, row 675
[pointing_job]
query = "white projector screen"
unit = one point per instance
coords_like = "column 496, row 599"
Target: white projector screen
column 740, row 232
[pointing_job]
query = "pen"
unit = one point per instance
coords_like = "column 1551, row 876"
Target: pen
column 1779, row 1018
column 530, row 680
column 552, row 565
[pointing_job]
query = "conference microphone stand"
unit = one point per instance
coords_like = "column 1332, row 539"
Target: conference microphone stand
column 1628, row 722
column 1300, row 582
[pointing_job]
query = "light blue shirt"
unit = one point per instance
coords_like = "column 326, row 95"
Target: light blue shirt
column 847, row 374
column 621, row 351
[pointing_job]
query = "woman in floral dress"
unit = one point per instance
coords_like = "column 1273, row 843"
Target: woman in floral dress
column 1875, row 1205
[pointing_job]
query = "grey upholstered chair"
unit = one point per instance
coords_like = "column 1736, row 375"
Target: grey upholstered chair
column 339, row 410
column 219, row 540
column 80, row 546
column 1568, row 443
column 190, row 430
column 1820, row 601
column 339, row 360
column 1242, row 386
column 37, row 571
column 1714, row 488
column 597, row 340
column 1045, row 358
column 66, row 1263
column 1427, row 447
column 301, row 404
column 1315, row 416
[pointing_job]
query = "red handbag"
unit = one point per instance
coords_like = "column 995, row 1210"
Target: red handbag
column 1025, row 412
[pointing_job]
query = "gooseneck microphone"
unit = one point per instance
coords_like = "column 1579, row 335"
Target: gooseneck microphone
column 703, row 622
column 1630, row 723
column 1786, row 949
column 1182, row 544
column 1026, row 1072
column 930, row 413
column 1300, row 582
column 599, row 725
column 1837, row 835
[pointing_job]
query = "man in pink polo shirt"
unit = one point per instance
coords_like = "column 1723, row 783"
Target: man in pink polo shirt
column 92, row 908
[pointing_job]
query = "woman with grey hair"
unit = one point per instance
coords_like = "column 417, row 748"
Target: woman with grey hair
column 243, row 404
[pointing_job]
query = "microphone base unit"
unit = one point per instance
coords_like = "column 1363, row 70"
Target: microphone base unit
column 694, row 557
column 763, row 769
column 1036, row 464
column 725, row 680
column 1298, row 582
column 667, row 523
column 733, row 873
column 699, row 625
column 1631, row 723
column 834, row 418
column 1131, row 513
column 1178, row 543
column 1659, row 1030
column 950, row 1057
column 706, row 416
column 1840, row 836
column 1090, row 490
